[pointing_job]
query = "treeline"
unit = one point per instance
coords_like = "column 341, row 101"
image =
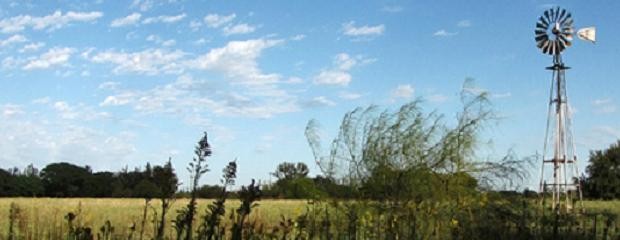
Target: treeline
column 69, row 180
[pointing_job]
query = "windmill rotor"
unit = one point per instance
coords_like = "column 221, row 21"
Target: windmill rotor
column 554, row 31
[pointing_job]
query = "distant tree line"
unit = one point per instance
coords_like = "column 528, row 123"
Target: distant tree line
column 69, row 180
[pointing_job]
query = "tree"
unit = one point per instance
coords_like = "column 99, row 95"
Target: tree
column 378, row 150
column 293, row 181
column 167, row 183
column 65, row 180
column 287, row 170
column 603, row 180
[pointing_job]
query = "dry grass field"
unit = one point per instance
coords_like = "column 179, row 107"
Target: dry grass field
column 42, row 214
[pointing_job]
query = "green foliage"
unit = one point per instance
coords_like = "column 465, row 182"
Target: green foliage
column 603, row 179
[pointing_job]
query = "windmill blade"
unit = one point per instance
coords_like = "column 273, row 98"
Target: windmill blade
column 543, row 21
column 547, row 16
column 565, row 20
column 561, row 17
column 587, row 34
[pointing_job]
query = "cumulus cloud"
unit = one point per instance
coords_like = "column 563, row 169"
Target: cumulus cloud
column 403, row 91
column 32, row 47
column 149, row 61
column 53, row 57
column 187, row 97
column 131, row 19
column 350, row 29
column 238, row 60
column 242, row 28
column 164, row 19
column 17, row 38
column 142, row 5
column 216, row 21
column 339, row 74
column 50, row 22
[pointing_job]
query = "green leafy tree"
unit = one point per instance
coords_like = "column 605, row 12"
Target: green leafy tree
column 603, row 179
column 65, row 180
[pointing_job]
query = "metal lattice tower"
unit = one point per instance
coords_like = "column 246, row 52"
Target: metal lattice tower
column 559, row 175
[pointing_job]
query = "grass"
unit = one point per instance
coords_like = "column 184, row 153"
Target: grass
column 42, row 214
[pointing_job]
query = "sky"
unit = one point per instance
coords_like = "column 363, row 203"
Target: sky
column 111, row 84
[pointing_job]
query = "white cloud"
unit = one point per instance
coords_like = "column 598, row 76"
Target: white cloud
column 158, row 40
column 43, row 100
column 195, row 25
column 149, row 61
column 187, row 97
column 238, row 60
column 32, row 47
column 464, row 24
column 403, row 91
column 11, row 110
column 320, row 101
column 333, row 77
column 24, row 142
column 131, row 19
column 350, row 29
column 294, row 80
column 349, row 95
column 117, row 100
column 599, row 102
column 109, row 85
column 242, row 28
column 50, row 22
column 298, row 37
column 339, row 73
column 216, row 21
column 17, row 38
column 143, row 5
column 444, row 33
column 164, row 19
column 78, row 112
column 53, row 57
column 10, row 62
column 604, row 106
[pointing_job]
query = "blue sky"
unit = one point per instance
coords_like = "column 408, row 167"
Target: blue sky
column 119, row 83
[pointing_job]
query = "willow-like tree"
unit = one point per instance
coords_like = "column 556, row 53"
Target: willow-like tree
column 409, row 154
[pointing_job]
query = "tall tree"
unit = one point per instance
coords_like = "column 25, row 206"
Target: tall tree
column 603, row 180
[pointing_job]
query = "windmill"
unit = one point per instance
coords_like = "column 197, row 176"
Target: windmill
column 554, row 33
